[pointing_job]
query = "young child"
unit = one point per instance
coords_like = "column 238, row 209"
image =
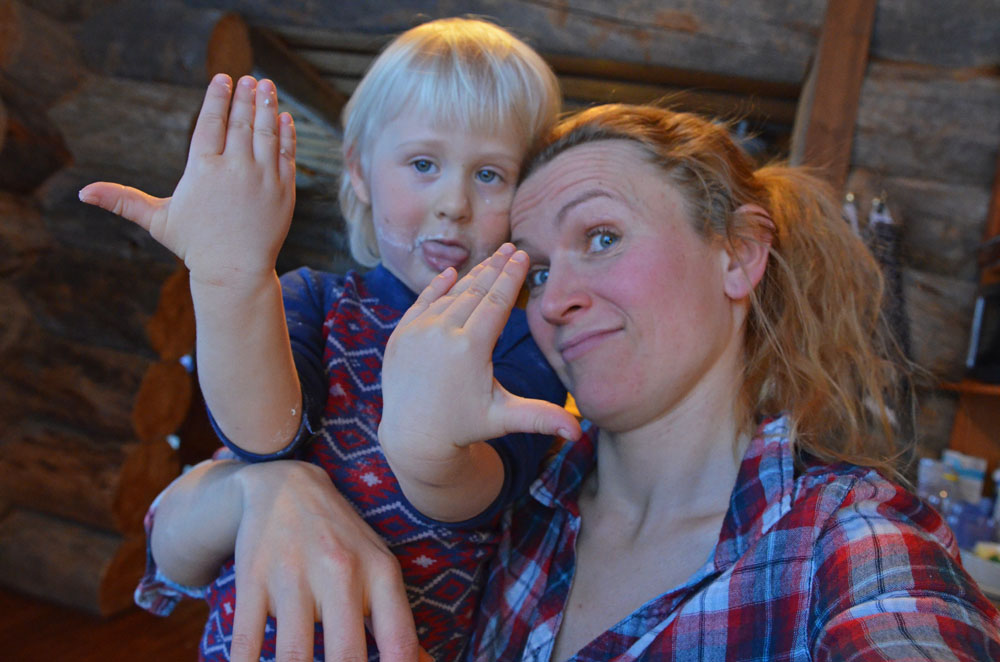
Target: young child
column 433, row 139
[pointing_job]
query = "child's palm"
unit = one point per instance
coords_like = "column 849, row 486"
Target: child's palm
column 232, row 208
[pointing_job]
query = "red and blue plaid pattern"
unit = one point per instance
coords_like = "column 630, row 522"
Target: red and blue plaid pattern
column 813, row 562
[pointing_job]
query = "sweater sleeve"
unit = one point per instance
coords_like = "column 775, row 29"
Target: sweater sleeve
column 306, row 295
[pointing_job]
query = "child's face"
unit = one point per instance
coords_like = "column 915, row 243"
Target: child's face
column 440, row 197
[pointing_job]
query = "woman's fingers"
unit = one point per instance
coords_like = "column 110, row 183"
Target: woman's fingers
column 248, row 622
column 131, row 203
column 239, row 133
column 392, row 619
column 296, row 623
column 265, row 124
column 209, row 137
column 344, row 626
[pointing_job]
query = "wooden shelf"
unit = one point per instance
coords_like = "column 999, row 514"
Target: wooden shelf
column 973, row 387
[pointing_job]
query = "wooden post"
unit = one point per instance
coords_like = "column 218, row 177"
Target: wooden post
column 824, row 126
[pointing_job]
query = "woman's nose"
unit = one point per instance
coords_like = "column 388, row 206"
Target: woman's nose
column 563, row 296
column 453, row 202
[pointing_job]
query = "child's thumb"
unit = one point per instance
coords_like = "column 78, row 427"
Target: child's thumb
column 127, row 202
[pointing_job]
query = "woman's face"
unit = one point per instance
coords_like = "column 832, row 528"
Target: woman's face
column 626, row 300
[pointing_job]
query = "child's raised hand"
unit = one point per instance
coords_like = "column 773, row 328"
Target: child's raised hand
column 232, row 208
column 438, row 388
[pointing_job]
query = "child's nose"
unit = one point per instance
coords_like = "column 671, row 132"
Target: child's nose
column 453, row 203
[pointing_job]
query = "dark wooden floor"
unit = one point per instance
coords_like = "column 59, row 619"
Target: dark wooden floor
column 35, row 631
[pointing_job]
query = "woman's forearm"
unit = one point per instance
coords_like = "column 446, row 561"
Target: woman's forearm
column 196, row 522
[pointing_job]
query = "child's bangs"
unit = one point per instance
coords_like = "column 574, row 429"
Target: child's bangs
column 460, row 96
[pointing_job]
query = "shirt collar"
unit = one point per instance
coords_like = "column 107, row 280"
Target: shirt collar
column 761, row 496
column 388, row 289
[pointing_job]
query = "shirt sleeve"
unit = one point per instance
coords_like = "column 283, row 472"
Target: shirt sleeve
column 157, row 593
column 303, row 292
column 520, row 367
column 889, row 586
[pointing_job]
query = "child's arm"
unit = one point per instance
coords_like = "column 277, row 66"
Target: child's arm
column 440, row 399
column 227, row 220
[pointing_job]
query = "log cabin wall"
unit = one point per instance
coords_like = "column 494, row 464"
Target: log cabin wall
column 97, row 328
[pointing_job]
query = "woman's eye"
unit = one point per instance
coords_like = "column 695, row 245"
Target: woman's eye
column 601, row 240
column 422, row 165
column 487, row 176
column 536, row 278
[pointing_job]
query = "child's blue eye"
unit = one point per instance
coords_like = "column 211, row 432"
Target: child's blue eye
column 422, row 165
column 601, row 240
column 487, row 176
column 536, row 278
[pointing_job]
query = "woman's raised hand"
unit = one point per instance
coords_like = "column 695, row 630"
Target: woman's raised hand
column 232, row 208
column 438, row 387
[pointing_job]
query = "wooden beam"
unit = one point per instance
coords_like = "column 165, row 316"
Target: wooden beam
column 824, row 128
column 297, row 80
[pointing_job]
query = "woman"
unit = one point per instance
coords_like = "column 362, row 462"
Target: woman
column 731, row 501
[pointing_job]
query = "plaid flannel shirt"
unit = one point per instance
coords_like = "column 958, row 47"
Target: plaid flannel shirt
column 813, row 562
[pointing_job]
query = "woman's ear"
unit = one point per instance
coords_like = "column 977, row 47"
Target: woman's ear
column 357, row 175
column 747, row 255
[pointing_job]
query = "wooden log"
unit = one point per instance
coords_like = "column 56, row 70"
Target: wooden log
column 95, row 300
column 938, row 33
column 296, row 78
column 116, row 126
column 71, row 11
column 37, row 53
column 76, row 384
column 756, row 39
column 104, row 482
column 166, row 42
column 33, row 147
column 23, row 235
column 940, row 311
column 3, row 123
column 69, row 563
column 15, row 323
column 942, row 221
column 824, row 128
column 928, row 124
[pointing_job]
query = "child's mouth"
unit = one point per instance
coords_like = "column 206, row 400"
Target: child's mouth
column 439, row 254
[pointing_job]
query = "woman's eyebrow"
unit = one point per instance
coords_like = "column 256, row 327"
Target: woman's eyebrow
column 579, row 200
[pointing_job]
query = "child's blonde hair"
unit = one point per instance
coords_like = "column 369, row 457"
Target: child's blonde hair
column 816, row 344
column 466, row 73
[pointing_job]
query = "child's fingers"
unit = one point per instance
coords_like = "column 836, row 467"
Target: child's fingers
column 265, row 124
column 286, row 147
column 488, row 318
column 127, row 202
column 477, row 288
column 209, row 135
column 437, row 288
column 240, row 129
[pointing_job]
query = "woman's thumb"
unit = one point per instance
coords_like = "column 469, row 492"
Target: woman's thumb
column 541, row 417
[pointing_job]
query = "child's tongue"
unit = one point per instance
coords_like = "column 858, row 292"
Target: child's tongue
column 440, row 255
